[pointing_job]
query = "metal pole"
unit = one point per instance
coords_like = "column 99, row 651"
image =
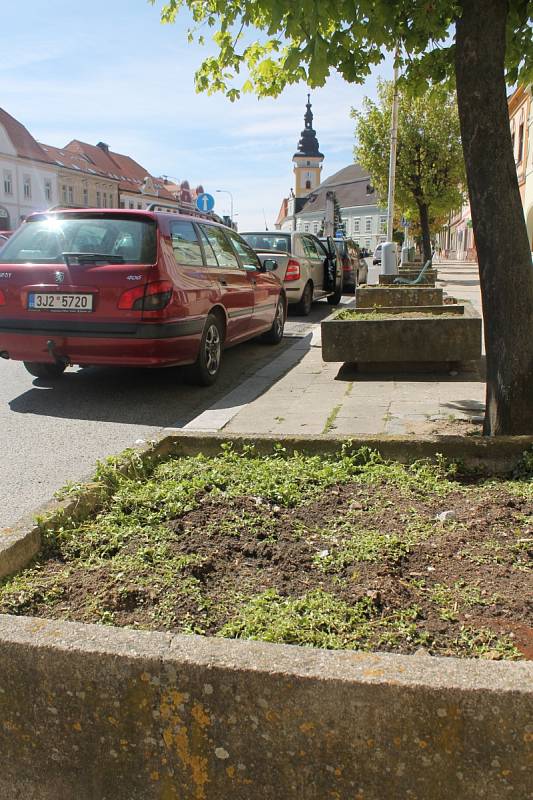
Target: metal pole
column 393, row 146
column 226, row 191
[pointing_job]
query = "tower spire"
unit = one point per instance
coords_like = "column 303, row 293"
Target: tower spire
column 308, row 144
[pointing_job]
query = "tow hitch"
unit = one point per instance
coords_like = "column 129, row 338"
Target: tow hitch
column 63, row 361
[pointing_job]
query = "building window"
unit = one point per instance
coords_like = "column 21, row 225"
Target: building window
column 85, row 197
column 71, row 195
column 139, row 205
column 356, row 224
column 64, row 193
column 520, row 142
column 315, row 227
column 368, row 225
column 367, row 244
column 306, row 227
column 383, row 224
column 105, row 199
column 8, row 182
column 48, row 190
column 132, row 205
column 98, row 200
column 122, row 204
column 27, row 187
column 110, row 200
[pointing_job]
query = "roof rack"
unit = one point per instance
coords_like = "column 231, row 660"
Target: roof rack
column 190, row 212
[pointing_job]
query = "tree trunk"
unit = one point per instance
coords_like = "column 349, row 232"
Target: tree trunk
column 426, row 234
column 505, row 271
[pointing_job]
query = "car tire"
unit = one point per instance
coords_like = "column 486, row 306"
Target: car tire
column 204, row 371
column 304, row 305
column 275, row 334
column 45, row 370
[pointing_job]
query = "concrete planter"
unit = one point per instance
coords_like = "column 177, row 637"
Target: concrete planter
column 375, row 296
column 101, row 713
column 429, row 277
column 431, row 339
column 382, row 311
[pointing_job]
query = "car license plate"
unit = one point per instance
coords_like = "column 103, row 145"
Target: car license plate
column 56, row 301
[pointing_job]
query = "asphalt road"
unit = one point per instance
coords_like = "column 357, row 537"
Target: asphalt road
column 51, row 433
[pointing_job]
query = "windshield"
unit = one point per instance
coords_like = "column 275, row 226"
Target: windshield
column 268, row 241
column 46, row 240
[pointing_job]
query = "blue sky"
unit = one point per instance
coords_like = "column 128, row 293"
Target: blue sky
column 108, row 71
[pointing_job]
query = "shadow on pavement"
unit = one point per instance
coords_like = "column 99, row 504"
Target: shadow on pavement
column 473, row 372
column 155, row 397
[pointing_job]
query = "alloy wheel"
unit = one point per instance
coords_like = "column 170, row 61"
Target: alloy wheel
column 212, row 349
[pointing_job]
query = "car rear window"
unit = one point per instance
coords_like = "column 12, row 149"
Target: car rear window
column 45, row 240
column 266, row 241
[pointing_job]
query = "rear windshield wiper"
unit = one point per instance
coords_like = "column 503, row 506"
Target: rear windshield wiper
column 74, row 259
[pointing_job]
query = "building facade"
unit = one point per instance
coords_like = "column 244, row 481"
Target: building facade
column 456, row 240
column 521, row 122
column 28, row 176
column 36, row 177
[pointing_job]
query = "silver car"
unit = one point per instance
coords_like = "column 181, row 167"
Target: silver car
column 307, row 268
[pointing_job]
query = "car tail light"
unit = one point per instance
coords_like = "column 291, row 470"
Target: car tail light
column 2, row 298
column 293, row 270
column 152, row 297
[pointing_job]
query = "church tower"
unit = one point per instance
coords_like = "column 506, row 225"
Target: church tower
column 308, row 159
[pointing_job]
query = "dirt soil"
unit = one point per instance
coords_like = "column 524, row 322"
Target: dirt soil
column 467, row 574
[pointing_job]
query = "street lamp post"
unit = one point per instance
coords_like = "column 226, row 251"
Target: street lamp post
column 226, row 191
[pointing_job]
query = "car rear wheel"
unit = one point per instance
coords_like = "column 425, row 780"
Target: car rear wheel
column 204, row 371
column 303, row 307
column 44, row 370
column 275, row 334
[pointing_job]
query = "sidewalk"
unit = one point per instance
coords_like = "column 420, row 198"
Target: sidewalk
column 300, row 393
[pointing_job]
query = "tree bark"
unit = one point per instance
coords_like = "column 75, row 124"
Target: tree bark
column 424, row 227
column 505, row 270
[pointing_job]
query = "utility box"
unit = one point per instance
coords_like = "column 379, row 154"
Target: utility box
column 405, row 255
column 389, row 259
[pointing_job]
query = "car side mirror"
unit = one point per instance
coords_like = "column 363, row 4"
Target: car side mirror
column 270, row 264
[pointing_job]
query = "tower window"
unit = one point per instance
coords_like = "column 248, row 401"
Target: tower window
column 308, row 184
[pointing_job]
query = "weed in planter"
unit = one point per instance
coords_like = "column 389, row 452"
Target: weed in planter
column 453, row 600
column 340, row 551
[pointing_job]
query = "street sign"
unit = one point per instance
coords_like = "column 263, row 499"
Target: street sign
column 405, row 223
column 205, row 202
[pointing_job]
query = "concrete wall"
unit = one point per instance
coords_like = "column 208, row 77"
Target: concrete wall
column 95, row 713
column 370, row 296
column 430, row 339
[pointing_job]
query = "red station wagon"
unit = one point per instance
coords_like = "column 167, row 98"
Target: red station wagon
column 132, row 288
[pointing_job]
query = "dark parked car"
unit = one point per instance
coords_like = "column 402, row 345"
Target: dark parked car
column 354, row 267
column 134, row 288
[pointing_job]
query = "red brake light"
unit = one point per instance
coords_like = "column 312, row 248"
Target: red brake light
column 293, row 270
column 2, row 298
column 152, row 297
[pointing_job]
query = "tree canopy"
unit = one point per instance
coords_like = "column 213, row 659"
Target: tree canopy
column 306, row 40
column 429, row 162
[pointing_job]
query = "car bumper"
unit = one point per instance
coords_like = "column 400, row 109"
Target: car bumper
column 121, row 344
